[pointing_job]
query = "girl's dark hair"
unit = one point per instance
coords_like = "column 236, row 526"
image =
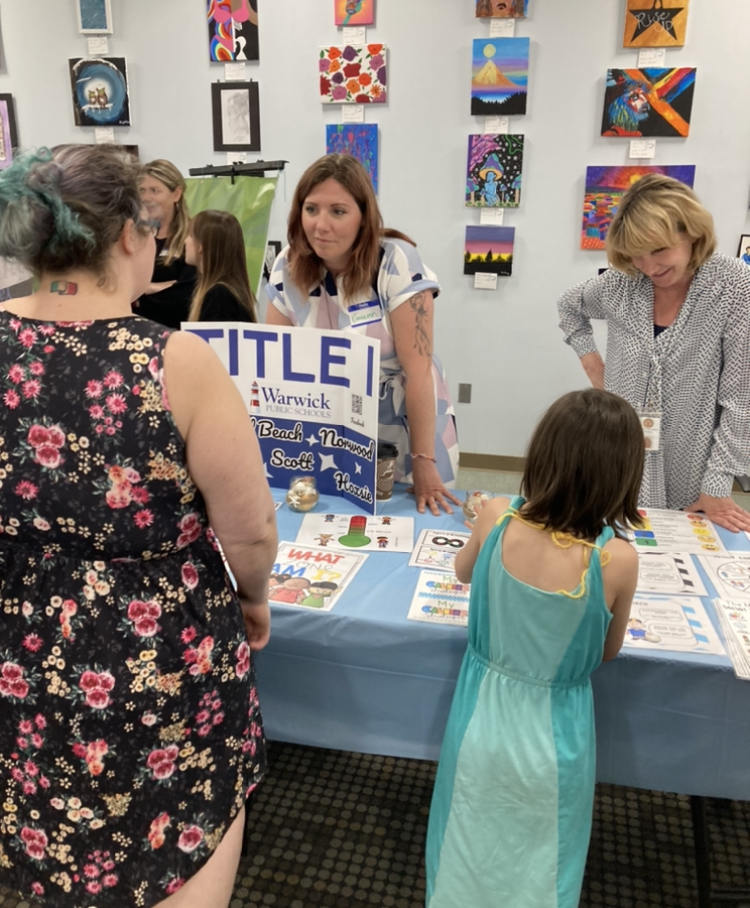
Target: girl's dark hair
column 222, row 260
column 304, row 264
column 64, row 209
column 584, row 465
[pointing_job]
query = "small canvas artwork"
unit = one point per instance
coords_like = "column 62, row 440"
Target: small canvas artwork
column 502, row 9
column 743, row 250
column 648, row 102
column 655, row 23
column 605, row 186
column 357, row 139
column 354, row 74
column 94, row 17
column 232, row 30
column 500, row 76
column 100, row 91
column 489, row 250
column 8, row 131
column 493, row 172
column 354, row 12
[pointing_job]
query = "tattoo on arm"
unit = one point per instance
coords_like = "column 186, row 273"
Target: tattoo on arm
column 422, row 340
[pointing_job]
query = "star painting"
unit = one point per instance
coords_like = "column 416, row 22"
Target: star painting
column 655, row 23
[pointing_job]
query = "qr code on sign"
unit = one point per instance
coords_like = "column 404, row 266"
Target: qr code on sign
column 357, row 404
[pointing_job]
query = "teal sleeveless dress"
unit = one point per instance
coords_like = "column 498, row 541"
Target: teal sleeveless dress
column 511, row 811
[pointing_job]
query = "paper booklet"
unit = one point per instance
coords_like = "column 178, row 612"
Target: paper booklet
column 441, row 599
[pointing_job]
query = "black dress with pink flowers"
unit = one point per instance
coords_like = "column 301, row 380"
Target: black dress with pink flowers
column 130, row 730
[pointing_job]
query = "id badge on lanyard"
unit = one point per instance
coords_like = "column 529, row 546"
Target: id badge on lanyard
column 367, row 313
column 651, row 425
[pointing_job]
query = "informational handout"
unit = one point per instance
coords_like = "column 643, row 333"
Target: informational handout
column 344, row 532
column 734, row 616
column 440, row 599
column 677, row 624
column 436, row 550
column 669, row 574
column 730, row 574
column 310, row 577
column 676, row 531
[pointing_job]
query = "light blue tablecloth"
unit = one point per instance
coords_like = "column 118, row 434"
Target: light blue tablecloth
column 362, row 677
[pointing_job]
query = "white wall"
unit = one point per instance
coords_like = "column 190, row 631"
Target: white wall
column 506, row 343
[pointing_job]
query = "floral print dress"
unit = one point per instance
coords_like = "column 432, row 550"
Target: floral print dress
column 130, row 729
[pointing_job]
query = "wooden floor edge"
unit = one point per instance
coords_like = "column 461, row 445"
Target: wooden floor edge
column 496, row 462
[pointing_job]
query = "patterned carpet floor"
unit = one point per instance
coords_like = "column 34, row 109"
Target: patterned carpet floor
column 336, row 830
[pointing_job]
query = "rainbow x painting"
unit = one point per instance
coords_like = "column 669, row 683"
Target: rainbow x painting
column 499, row 76
column 648, row 102
column 605, row 187
column 489, row 250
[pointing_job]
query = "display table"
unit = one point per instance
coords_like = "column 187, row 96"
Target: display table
column 363, row 678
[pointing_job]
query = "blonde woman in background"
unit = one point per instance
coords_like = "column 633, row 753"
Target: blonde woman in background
column 167, row 298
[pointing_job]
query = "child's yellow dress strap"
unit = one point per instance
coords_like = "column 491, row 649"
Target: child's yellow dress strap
column 565, row 541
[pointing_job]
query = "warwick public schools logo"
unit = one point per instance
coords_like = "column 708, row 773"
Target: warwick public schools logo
column 313, row 404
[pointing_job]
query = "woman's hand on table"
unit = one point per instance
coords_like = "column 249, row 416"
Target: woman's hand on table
column 428, row 488
column 257, row 618
column 724, row 512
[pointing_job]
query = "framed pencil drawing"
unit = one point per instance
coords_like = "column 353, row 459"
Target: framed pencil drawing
column 94, row 17
column 236, row 116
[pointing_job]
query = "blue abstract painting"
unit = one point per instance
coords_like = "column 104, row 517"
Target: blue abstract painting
column 357, row 139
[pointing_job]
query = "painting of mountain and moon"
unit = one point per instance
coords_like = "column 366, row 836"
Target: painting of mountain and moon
column 605, row 186
column 500, row 76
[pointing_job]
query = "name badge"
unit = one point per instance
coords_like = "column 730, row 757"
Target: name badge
column 367, row 313
column 651, row 425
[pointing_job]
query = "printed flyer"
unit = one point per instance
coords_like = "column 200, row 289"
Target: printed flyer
column 312, row 397
column 440, row 599
column 437, row 549
column 677, row 624
column 311, row 577
column 354, row 531
column 675, row 531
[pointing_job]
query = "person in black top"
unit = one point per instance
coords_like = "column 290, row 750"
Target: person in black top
column 216, row 247
column 168, row 296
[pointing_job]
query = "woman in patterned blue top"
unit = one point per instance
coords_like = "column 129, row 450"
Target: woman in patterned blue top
column 342, row 270
column 678, row 346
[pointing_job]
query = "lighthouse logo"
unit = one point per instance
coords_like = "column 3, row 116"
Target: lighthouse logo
column 254, row 398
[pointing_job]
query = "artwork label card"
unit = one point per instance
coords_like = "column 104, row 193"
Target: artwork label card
column 669, row 574
column 357, row 139
column 104, row 135
column 234, row 72
column 605, row 187
column 648, row 102
column 675, row 531
column 100, row 91
column 440, row 599
column 485, row 281
column 643, row 148
column 354, row 35
column 312, row 397
column 98, row 47
column 652, row 57
column 729, row 574
column 353, row 113
column 436, row 550
column 310, row 577
column 489, row 250
column 655, row 23
column 492, row 216
column 354, row 12
column 502, row 28
column 353, row 74
column 494, row 171
column 677, row 624
column 347, row 532
column 500, row 76
column 497, row 125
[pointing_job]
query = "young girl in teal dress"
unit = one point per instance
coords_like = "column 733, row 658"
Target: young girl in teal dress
column 552, row 581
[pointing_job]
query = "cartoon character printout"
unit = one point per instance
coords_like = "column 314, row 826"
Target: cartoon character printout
column 311, row 577
column 655, row 23
column 648, row 102
column 605, row 186
column 354, row 12
column 100, row 91
column 345, row 532
column 436, row 550
column 440, row 599
column 500, row 76
column 353, row 74
column 493, row 172
column 312, row 397
column 673, row 624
